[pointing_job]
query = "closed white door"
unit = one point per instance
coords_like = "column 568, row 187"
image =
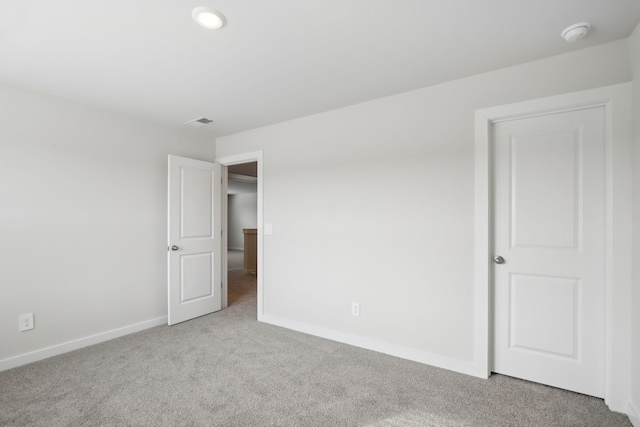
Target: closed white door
column 549, row 225
column 195, row 242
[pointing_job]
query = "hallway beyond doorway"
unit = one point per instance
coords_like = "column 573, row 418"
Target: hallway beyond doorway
column 242, row 286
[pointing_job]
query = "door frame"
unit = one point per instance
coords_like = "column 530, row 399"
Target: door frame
column 254, row 156
column 616, row 101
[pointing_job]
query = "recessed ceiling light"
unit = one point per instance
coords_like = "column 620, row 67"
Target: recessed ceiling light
column 576, row 31
column 208, row 18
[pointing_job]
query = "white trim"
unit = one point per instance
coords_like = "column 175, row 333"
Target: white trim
column 633, row 414
column 482, row 340
column 224, row 293
column 369, row 344
column 254, row 156
column 54, row 350
column 615, row 99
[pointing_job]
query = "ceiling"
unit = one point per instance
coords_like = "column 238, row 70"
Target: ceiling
column 246, row 169
column 277, row 60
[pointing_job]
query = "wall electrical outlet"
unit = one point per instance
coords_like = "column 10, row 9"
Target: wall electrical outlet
column 25, row 322
column 355, row 309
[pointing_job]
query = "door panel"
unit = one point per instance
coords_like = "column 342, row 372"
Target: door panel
column 196, row 187
column 543, row 314
column 195, row 279
column 549, row 226
column 197, row 276
column 545, row 218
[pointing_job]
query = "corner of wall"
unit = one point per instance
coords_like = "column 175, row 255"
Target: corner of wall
column 634, row 403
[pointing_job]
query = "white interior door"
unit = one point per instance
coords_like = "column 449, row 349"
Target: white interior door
column 549, row 225
column 195, row 241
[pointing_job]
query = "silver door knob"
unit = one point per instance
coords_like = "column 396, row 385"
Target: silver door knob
column 498, row 260
column 174, row 248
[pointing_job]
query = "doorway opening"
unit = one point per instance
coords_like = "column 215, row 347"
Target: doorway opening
column 235, row 163
column 242, row 232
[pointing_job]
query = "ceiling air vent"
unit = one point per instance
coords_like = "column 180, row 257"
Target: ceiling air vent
column 199, row 122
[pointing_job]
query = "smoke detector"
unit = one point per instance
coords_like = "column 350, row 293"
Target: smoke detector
column 199, row 122
column 576, row 31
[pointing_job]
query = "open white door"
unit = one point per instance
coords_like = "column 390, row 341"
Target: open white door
column 195, row 241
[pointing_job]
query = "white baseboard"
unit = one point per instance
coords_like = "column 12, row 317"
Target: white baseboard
column 381, row 347
column 34, row 356
column 633, row 414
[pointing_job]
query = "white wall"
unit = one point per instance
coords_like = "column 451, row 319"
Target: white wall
column 242, row 185
column 374, row 203
column 243, row 213
column 83, row 196
column 634, row 49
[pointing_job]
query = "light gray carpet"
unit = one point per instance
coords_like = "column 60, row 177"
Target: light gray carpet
column 226, row 369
